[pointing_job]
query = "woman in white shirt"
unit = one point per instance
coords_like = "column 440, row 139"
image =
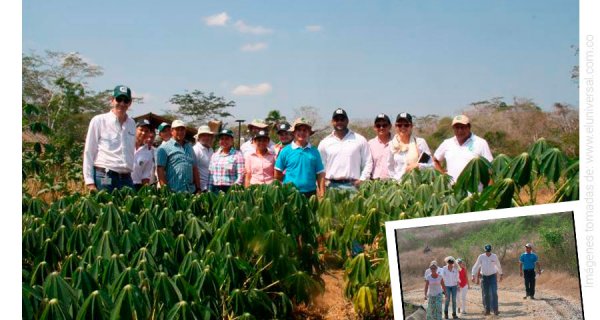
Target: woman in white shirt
column 434, row 289
column 407, row 152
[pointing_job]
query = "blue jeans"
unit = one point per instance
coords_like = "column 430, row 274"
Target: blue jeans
column 450, row 292
column 117, row 180
column 489, row 287
column 342, row 186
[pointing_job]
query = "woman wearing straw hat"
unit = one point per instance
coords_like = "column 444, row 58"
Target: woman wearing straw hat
column 434, row 289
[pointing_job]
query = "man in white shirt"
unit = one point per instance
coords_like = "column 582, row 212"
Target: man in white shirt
column 110, row 145
column 143, row 158
column 254, row 127
column 490, row 268
column 203, row 150
column 345, row 155
column 460, row 149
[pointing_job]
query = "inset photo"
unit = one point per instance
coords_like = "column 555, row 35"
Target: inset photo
column 522, row 267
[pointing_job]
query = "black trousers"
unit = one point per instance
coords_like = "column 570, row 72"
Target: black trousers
column 529, row 276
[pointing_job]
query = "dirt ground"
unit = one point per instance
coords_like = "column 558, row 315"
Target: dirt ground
column 331, row 305
column 549, row 303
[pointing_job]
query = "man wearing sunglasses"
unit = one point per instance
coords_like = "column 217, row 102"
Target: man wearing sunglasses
column 110, row 145
column 379, row 146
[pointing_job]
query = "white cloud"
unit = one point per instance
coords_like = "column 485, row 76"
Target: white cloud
column 313, row 28
column 257, row 30
column 252, row 90
column 217, row 20
column 250, row 47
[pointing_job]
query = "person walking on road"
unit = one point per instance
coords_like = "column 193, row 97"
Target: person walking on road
column 110, row 145
column 450, row 275
column 490, row 268
column 434, row 289
column 528, row 262
column 463, row 286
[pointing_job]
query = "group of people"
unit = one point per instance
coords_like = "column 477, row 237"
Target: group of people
column 451, row 281
column 119, row 152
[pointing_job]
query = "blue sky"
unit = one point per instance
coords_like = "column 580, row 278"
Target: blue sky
column 423, row 57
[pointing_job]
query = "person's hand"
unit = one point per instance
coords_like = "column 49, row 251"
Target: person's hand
column 425, row 297
column 411, row 166
column 521, row 273
column 91, row 187
column 357, row 182
column 320, row 193
column 501, row 277
column 473, row 278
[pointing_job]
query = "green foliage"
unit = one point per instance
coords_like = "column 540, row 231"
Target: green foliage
column 198, row 106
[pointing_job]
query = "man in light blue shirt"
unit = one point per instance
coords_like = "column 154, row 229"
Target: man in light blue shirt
column 301, row 162
column 527, row 265
column 177, row 167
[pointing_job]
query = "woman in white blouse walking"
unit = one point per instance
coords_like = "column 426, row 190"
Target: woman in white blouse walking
column 407, row 152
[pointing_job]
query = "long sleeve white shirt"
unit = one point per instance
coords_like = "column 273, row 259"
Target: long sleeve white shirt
column 203, row 155
column 108, row 145
column 489, row 265
column 346, row 158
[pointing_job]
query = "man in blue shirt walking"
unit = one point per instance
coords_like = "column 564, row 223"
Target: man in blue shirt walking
column 528, row 261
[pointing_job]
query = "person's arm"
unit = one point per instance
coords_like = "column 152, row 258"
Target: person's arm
column 162, row 177
column 366, row 163
column 443, row 287
column 89, row 154
column 248, row 171
column 321, row 185
column 475, row 268
column 426, row 287
column 161, row 163
column 499, row 267
column 521, row 265
column 196, row 177
column 241, row 168
column 438, row 157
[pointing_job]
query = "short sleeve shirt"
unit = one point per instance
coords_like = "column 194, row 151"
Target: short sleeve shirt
column 435, row 285
column 457, row 156
column 301, row 166
column 178, row 161
column 528, row 260
column 261, row 168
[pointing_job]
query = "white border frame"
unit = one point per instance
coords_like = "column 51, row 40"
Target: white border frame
column 392, row 226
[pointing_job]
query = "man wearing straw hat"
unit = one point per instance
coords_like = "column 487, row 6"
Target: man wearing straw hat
column 301, row 162
column 203, row 151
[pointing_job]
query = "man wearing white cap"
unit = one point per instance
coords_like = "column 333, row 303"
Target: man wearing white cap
column 528, row 261
column 110, row 145
column 203, row 150
column 460, row 149
column 254, row 127
column 176, row 162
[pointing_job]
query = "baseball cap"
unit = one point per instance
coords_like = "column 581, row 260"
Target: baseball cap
column 225, row 132
column 488, row 248
column 384, row 117
column 203, row 130
column 404, row 116
column 259, row 123
column 449, row 259
column 461, row 118
column 262, row 134
column 177, row 124
column 163, row 126
column 284, row 126
column 339, row 112
column 528, row 245
column 122, row 90
column 142, row 123
column 459, row 260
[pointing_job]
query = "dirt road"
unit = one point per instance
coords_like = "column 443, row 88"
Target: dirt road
column 512, row 306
